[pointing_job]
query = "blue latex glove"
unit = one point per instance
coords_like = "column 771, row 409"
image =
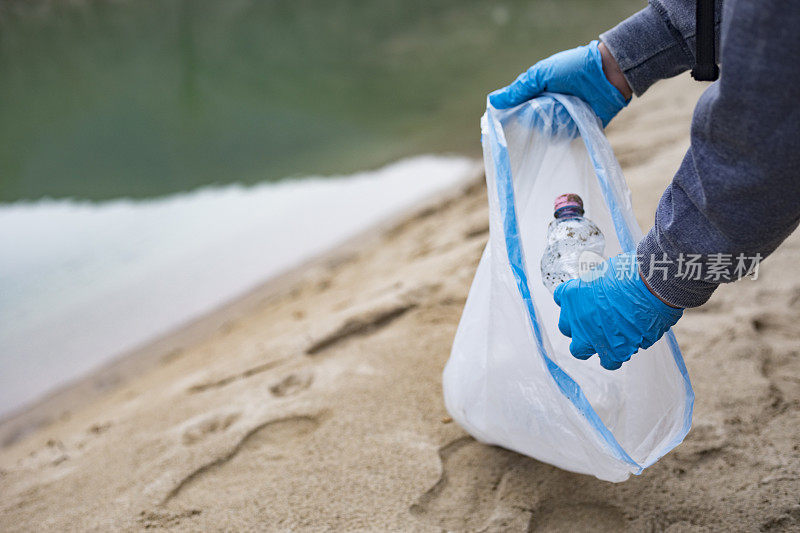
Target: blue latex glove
column 614, row 314
column 578, row 72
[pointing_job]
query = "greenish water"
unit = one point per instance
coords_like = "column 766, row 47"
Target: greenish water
column 140, row 98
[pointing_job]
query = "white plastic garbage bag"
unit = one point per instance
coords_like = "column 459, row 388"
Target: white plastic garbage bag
column 511, row 380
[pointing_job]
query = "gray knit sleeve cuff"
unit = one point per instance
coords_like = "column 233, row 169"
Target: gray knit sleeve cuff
column 648, row 48
column 666, row 275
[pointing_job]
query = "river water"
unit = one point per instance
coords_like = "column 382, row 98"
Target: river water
column 155, row 155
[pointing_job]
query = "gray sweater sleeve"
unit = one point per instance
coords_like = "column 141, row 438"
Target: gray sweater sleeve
column 656, row 43
column 737, row 192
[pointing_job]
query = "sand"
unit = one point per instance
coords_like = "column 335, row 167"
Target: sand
column 318, row 406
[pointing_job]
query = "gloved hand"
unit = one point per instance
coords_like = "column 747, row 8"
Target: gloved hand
column 614, row 314
column 578, row 72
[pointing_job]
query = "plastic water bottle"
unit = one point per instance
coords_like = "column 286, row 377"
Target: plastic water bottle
column 574, row 243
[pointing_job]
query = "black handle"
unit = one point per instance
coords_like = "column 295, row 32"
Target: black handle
column 705, row 67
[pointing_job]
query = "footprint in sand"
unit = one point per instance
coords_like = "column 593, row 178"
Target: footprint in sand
column 200, row 428
column 465, row 496
column 261, row 445
column 489, row 489
column 359, row 324
column 292, row 384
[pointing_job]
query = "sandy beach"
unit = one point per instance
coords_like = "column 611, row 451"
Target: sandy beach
column 315, row 403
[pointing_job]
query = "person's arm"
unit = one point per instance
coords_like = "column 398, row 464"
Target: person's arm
column 657, row 42
column 737, row 192
column 613, row 72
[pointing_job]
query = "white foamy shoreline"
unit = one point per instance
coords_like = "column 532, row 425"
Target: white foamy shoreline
column 85, row 282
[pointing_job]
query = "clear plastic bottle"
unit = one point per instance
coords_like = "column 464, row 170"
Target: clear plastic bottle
column 569, row 237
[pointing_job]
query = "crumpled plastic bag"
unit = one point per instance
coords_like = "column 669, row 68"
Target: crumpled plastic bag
column 510, row 380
